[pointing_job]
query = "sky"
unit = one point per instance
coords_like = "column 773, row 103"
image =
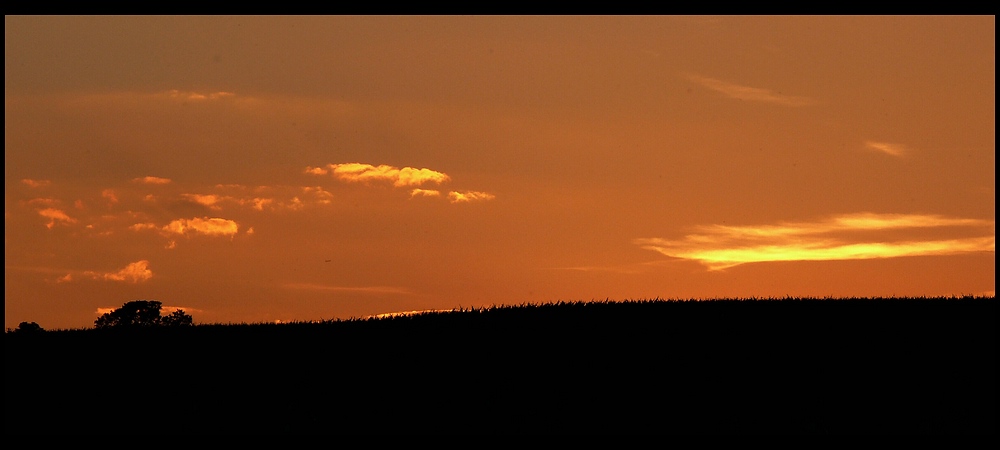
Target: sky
column 252, row 169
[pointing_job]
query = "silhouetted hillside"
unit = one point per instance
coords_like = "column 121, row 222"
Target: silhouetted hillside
column 725, row 366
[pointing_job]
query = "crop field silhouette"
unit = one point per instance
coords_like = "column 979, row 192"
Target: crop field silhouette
column 728, row 366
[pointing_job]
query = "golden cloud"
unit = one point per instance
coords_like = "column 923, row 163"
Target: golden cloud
column 365, row 173
column 151, row 180
column 469, row 196
column 136, row 272
column 425, row 193
column 719, row 246
column 209, row 200
column 206, row 226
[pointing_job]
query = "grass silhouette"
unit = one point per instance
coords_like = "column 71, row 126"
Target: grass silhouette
column 729, row 366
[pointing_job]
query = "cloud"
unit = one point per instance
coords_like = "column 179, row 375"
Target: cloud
column 151, row 180
column 837, row 238
column 355, row 289
column 365, row 173
column 197, row 96
column 469, row 196
column 110, row 195
column 36, row 183
column 322, row 197
column 136, row 272
column 50, row 202
column 750, row 93
column 209, row 200
column 425, row 193
column 206, row 226
column 887, row 148
column 55, row 215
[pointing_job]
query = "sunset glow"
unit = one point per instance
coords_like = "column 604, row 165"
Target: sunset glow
column 287, row 168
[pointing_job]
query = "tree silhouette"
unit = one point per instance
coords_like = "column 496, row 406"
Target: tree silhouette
column 141, row 313
column 177, row 319
column 28, row 327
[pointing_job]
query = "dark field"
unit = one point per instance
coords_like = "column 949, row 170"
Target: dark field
column 813, row 366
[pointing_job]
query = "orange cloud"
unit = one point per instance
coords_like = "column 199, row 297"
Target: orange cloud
column 322, row 196
column 469, row 196
column 110, row 195
column 357, row 172
column 196, row 96
column 209, row 200
column 424, row 193
column 43, row 202
column 887, row 148
column 260, row 203
column 837, row 238
column 151, row 180
column 55, row 215
column 36, row 183
column 206, row 226
column 750, row 93
column 136, row 272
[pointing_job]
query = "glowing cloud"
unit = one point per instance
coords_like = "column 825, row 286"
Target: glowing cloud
column 887, row 148
column 425, row 193
column 136, row 272
column 151, row 180
column 36, row 183
column 749, row 93
column 719, row 246
column 322, row 197
column 365, row 173
column 55, row 215
column 209, row 200
column 469, row 196
column 206, row 226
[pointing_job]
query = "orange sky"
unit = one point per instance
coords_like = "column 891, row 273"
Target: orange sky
column 251, row 169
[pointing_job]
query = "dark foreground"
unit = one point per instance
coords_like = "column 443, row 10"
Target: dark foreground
column 909, row 366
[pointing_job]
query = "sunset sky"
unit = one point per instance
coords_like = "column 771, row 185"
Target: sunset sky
column 260, row 169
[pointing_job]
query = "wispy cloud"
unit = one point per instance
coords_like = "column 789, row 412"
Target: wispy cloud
column 425, row 193
column 887, row 148
column 354, row 289
column 750, row 93
column 110, row 195
column 837, row 238
column 36, row 183
column 469, row 196
column 365, row 173
column 55, row 216
column 198, row 96
column 209, row 200
column 151, row 180
column 136, row 272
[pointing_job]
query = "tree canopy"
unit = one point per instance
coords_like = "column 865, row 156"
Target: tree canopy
column 142, row 313
column 28, row 327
